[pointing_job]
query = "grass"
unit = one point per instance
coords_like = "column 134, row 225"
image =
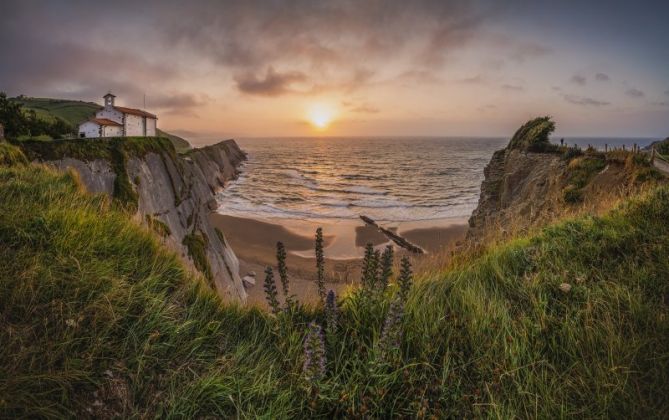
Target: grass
column 48, row 109
column 533, row 136
column 74, row 112
column 116, row 150
column 100, row 320
column 158, row 226
column 196, row 243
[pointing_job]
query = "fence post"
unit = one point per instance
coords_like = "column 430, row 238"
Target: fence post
column 652, row 156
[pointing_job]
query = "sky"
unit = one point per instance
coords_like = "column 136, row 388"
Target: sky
column 220, row 69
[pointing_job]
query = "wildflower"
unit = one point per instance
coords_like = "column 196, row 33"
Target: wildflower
column 369, row 268
column 331, row 314
column 386, row 267
column 391, row 335
column 270, row 290
column 314, row 354
column 406, row 279
column 283, row 272
column 320, row 264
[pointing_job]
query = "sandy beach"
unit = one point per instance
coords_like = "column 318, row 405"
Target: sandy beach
column 254, row 242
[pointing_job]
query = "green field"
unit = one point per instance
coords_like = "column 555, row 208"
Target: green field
column 74, row 112
column 99, row 320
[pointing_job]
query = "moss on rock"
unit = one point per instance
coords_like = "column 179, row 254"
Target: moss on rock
column 196, row 243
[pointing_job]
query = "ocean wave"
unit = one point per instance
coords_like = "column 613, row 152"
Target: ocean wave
column 386, row 179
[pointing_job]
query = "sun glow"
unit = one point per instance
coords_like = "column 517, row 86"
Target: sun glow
column 320, row 116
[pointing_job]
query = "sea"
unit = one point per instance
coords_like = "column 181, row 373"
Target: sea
column 387, row 179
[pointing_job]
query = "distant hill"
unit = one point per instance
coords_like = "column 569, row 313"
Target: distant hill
column 74, row 112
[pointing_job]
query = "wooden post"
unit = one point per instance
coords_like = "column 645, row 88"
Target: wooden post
column 623, row 147
column 606, row 147
column 652, row 156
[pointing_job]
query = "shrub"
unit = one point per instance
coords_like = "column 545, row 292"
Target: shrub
column 11, row 155
column 572, row 195
column 571, row 153
column 533, row 136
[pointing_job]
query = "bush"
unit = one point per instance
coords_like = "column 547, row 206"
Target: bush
column 11, row 155
column 572, row 195
column 572, row 152
column 533, row 136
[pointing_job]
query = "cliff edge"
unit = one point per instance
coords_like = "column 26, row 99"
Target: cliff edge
column 170, row 193
column 532, row 182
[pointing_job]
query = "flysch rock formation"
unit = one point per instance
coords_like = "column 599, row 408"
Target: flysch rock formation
column 519, row 188
column 178, row 191
column 531, row 183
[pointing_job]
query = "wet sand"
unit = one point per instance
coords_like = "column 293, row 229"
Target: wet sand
column 254, row 242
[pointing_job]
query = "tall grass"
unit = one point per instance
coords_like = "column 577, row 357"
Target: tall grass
column 98, row 319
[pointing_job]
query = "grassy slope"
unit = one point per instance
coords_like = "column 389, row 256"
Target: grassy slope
column 75, row 112
column 100, row 319
column 72, row 112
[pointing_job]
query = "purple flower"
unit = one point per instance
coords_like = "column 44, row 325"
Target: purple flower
column 314, row 354
column 391, row 335
column 331, row 313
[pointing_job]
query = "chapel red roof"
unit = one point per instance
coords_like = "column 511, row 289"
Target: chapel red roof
column 134, row 111
column 105, row 121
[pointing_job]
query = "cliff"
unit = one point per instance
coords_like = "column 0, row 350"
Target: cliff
column 170, row 193
column 99, row 320
column 531, row 183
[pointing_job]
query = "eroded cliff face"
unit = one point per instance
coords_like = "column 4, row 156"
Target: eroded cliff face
column 171, row 193
column 531, row 183
column 518, row 190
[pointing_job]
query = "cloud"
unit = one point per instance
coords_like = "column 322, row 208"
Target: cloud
column 177, row 102
column 522, row 52
column 162, row 44
column 578, row 80
column 362, row 108
column 602, row 77
column 486, row 108
column 493, row 64
column 634, row 93
column 366, row 109
column 514, row 88
column 582, row 100
column 273, row 84
column 474, row 80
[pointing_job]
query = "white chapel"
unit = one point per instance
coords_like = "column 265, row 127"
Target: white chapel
column 118, row 121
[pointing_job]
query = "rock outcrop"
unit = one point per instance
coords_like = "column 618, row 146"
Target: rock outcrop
column 169, row 192
column 518, row 189
column 531, row 183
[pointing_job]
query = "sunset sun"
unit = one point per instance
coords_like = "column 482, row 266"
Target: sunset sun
column 320, row 116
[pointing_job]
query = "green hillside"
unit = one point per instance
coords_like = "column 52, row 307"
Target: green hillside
column 74, row 112
column 99, row 320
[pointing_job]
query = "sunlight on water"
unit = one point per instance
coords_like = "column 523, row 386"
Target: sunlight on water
column 386, row 179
